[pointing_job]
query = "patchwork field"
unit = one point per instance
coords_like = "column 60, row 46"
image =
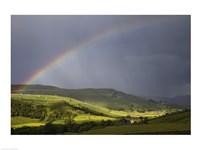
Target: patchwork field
column 173, row 124
column 43, row 114
column 18, row 122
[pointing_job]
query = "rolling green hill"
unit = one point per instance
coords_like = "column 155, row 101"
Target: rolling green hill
column 109, row 98
column 58, row 110
column 50, row 114
column 55, row 108
column 165, row 128
column 176, row 117
column 176, row 123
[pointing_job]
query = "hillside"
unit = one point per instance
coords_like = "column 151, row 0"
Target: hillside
column 38, row 110
column 50, row 114
column 181, row 100
column 177, row 117
column 45, row 107
column 176, row 123
column 109, row 98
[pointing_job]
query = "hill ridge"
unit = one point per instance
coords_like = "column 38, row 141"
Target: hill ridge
column 110, row 98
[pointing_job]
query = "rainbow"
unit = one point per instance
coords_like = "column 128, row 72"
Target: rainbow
column 133, row 26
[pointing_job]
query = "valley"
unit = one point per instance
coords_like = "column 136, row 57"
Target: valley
column 40, row 110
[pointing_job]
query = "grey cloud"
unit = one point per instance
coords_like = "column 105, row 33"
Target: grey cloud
column 153, row 60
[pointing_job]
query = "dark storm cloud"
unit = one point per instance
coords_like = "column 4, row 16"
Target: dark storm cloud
column 152, row 60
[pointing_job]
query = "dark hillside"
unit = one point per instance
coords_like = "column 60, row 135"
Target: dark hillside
column 104, row 97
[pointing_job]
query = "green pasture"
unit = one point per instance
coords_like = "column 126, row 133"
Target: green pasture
column 142, row 129
column 65, row 105
column 178, row 122
column 19, row 121
column 49, row 100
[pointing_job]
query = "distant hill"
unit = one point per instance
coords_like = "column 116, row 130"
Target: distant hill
column 109, row 98
column 177, row 117
column 182, row 100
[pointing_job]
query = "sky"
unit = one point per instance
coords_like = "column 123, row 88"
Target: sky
column 143, row 55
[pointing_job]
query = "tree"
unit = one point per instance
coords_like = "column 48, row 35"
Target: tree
column 145, row 120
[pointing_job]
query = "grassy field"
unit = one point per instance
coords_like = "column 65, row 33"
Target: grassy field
column 59, row 110
column 56, row 102
column 178, row 117
column 163, row 128
column 85, row 118
column 175, row 123
column 19, row 121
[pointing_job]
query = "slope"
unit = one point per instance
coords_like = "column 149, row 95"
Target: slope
column 181, row 100
column 35, row 110
column 109, row 98
column 177, row 123
column 176, row 117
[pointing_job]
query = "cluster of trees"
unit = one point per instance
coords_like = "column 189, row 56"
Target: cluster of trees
column 72, row 127
column 77, row 107
column 177, row 112
column 87, row 110
column 59, row 104
column 68, row 116
column 24, row 109
column 144, row 120
column 47, row 129
column 61, row 129
column 141, row 110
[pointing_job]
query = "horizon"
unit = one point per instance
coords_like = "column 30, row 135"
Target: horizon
column 143, row 96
